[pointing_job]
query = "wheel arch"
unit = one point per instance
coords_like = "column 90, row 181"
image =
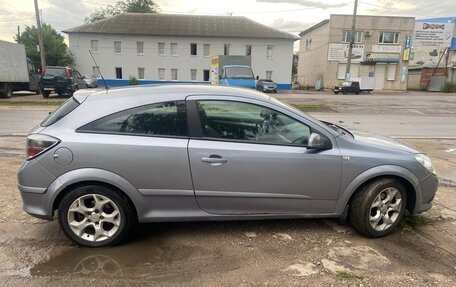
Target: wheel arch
column 89, row 176
column 406, row 177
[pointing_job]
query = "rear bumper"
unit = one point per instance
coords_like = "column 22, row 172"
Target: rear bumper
column 36, row 203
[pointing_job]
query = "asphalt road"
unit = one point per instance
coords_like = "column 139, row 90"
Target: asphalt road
column 414, row 114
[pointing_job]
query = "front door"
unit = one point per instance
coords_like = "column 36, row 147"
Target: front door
column 252, row 159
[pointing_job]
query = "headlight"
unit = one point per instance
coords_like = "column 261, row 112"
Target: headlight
column 425, row 161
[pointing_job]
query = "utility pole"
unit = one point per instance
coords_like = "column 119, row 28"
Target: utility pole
column 40, row 37
column 18, row 34
column 352, row 42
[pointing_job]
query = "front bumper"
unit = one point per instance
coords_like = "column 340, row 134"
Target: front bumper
column 269, row 89
column 429, row 187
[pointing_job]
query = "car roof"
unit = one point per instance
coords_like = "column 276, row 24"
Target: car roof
column 175, row 91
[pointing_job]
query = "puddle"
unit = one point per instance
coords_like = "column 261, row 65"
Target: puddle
column 169, row 254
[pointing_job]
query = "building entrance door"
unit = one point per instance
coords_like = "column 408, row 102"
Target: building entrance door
column 379, row 75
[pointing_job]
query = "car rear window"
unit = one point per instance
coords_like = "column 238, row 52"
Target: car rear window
column 60, row 113
column 55, row 72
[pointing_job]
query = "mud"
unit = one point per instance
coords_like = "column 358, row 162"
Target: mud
column 244, row 253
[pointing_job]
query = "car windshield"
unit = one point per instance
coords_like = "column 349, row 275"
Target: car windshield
column 239, row 72
column 268, row 82
column 55, row 72
column 88, row 76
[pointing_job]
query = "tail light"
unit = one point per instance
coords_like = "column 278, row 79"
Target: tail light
column 67, row 72
column 37, row 144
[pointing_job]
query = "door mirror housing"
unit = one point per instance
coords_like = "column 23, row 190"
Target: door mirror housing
column 257, row 77
column 318, row 142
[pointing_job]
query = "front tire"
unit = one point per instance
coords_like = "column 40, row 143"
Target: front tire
column 95, row 216
column 378, row 207
column 45, row 93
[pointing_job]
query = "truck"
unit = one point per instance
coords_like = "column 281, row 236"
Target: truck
column 356, row 86
column 232, row 71
column 16, row 71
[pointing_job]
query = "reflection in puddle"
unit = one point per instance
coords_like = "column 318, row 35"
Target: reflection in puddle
column 166, row 255
column 98, row 265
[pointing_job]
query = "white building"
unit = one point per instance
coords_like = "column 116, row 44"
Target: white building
column 157, row 48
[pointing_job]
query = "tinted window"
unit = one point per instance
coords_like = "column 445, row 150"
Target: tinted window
column 62, row 111
column 167, row 119
column 55, row 72
column 249, row 122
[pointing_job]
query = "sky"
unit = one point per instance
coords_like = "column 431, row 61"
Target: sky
column 292, row 16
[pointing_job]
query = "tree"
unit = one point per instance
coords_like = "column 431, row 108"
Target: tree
column 56, row 51
column 128, row 6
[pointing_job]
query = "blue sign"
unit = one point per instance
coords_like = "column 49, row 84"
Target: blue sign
column 408, row 41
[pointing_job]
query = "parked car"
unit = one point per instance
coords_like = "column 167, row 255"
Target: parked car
column 350, row 87
column 62, row 80
column 108, row 159
column 91, row 81
column 266, row 86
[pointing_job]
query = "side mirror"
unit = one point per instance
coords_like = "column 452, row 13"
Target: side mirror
column 220, row 77
column 257, row 77
column 318, row 142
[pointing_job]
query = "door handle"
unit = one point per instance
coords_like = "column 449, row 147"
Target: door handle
column 214, row 159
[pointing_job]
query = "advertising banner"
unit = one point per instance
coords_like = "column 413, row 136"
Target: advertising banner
column 382, row 57
column 339, row 52
column 433, row 34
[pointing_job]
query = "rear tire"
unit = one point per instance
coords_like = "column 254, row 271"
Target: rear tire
column 7, row 91
column 96, row 216
column 378, row 207
column 45, row 94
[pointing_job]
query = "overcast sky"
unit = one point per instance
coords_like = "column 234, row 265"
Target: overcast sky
column 287, row 15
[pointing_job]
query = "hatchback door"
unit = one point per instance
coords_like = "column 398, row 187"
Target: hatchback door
column 250, row 157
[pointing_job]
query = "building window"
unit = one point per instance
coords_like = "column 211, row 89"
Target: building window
column 141, row 73
column 95, row 71
column 193, row 73
column 118, row 73
column 193, row 49
column 248, row 50
column 173, row 49
column 388, row 38
column 161, row 74
column 140, row 48
column 268, row 75
column 226, row 49
column 117, row 47
column 308, row 43
column 207, row 50
column 174, row 74
column 357, row 37
column 94, row 46
column 206, row 75
column 161, row 49
column 269, row 51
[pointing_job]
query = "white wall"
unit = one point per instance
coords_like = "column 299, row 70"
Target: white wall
column 80, row 43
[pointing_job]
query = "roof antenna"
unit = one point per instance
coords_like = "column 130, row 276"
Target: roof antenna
column 96, row 65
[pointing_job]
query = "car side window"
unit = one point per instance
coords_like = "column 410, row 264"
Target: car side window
column 163, row 119
column 246, row 122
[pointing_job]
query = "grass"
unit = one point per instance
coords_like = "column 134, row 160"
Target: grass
column 306, row 107
column 408, row 222
column 340, row 275
column 31, row 103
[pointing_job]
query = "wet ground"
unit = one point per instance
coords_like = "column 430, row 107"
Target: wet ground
column 243, row 253
column 249, row 253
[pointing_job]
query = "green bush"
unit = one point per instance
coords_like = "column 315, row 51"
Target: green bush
column 132, row 81
column 449, row 87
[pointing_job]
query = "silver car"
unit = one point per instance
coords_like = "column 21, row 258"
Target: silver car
column 109, row 159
